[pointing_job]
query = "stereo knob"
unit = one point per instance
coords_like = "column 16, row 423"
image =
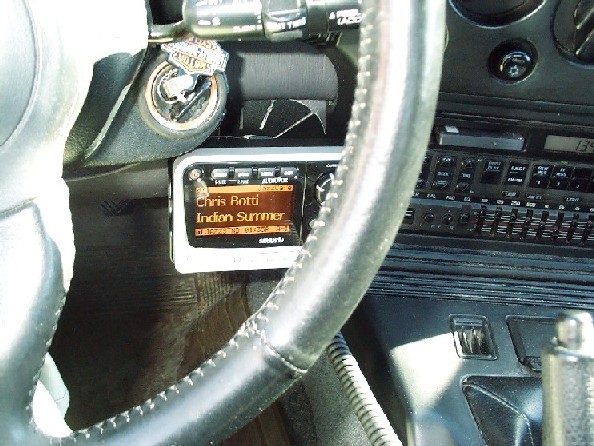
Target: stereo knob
column 496, row 12
column 323, row 186
column 574, row 29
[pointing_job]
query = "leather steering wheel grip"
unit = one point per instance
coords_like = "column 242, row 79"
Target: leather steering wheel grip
column 399, row 69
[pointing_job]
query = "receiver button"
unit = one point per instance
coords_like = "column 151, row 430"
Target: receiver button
column 243, row 173
column 562, row 172
column 540, row 176
column 581, row 172
column 468, row 164
column 440, row 185
column 409, row 217
column 289, row 172
column 466, row 176
column 462, row 186
column 429, row 217
column 266, row 172
column 578, row 185
column 559, row 183
column 516, row 175
column 447, row 161
column 538, row 182
column 492, row 172
column 561, row 175
column 509, row 194
column 219, row 174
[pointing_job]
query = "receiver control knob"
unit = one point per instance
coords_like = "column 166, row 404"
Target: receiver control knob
column 496, row 12
column 323, row 186
column 574, row 29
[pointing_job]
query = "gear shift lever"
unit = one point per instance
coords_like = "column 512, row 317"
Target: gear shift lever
column 568, row 382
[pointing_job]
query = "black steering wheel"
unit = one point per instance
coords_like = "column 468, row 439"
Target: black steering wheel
column 44, row 76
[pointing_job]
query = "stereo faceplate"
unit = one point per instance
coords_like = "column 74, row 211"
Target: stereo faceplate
column 506, row 196
column 244, row 209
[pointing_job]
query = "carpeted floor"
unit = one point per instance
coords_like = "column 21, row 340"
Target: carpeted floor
column 133, row 326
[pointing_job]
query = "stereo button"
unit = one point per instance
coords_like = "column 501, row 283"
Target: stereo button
column 515, row 180
column 409, row 216
column 562, row 172
column 447, row 161
column 242, row 173
column 509, row 194
column 289, row 172
column 539, row 182
column 492, row 172
column 466, row 176
column 266, row 172
column 468, row 164
column 516, row 175
column 534, row 197
column 493, row 166
column 582, row 173
column 462, row 186
column 572, row 199
column 578, row 185
column 440, row 185
column 219, row 174
column 559, row 183
column 429, row 217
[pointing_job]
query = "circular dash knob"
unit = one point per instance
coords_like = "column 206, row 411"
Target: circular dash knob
column 574, row 27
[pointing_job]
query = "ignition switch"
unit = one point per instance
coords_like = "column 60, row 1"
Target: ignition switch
column 187, row 91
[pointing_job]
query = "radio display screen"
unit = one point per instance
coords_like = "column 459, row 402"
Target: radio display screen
column 569, row 144
column 252, row 209
column 251, row 212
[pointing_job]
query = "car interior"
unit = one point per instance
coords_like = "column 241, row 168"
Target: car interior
column 297, row 222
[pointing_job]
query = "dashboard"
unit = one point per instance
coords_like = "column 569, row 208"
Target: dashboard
column 511, row 157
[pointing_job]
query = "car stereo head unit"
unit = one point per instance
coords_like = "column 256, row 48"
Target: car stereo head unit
column 250, row 208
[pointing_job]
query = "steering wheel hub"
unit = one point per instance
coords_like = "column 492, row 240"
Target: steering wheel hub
column 18, row 57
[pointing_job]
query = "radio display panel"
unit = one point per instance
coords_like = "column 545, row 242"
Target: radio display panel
column 243, row 210
column 246, row 212
column 569, row 144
